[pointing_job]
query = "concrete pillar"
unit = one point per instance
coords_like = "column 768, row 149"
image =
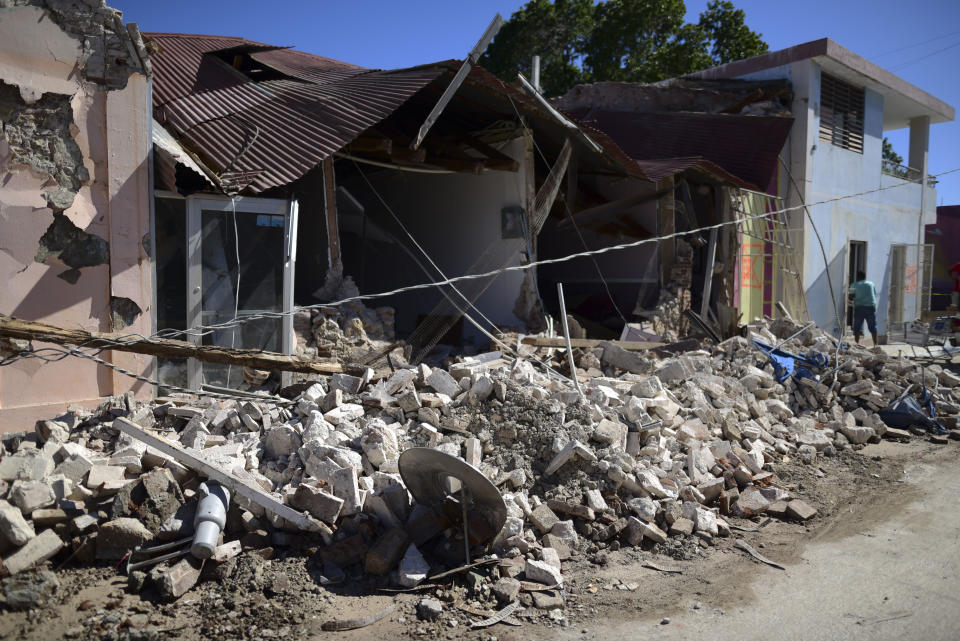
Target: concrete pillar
column 919, row 143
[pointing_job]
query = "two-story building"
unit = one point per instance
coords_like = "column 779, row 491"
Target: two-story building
column 868, row 214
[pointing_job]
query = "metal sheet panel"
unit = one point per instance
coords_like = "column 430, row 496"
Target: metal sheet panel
column 281, row 127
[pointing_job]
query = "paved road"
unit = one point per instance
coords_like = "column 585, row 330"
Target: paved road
column 897, row 580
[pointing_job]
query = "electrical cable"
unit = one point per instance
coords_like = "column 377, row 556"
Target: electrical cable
column 202, row 330
column 576, row 228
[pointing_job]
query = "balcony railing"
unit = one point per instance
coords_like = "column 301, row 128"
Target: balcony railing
column 905, row 173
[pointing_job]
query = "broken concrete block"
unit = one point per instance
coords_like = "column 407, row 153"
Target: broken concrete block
column 321, row 505
column 507, row 590
column 797, row 509
column 346, row 383
column 607, row 433
column 344, row 413
column 858, row 434
column 40, row 548
column 384, row 555
column 595, row 501
column 542, row 572
column 175, row 581
column 570, row 450
column 566, row 532
column 152, row 499
column 543, row 518
column 429, row 609
column 101, row 474
column 13, row 526
column 281, row 441
column 442, row 382
column 115, row 538
column 32, row 495
column 29, row 465
column 752, row 502
column 860, row 388
column 814, row 438
column 409, row 401
column 345, row 487
column 681, row 527
column 473, row 451
column 413, row 568
column 637, row 530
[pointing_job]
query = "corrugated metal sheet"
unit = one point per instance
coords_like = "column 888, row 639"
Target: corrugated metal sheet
column 745, row 146
column 283, row 126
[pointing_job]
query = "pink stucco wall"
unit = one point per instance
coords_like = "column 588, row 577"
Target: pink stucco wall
column 111, row 129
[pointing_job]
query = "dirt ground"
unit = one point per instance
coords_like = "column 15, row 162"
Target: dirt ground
column 610, row 595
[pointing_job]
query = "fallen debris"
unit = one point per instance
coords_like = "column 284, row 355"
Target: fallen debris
column 340, row 625
column 743, row 545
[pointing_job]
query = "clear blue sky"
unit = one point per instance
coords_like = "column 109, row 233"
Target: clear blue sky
column 918, row 40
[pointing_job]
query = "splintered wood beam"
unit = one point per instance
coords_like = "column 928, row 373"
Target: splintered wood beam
column 165, row 347
column 458, row 79
column 330, row 205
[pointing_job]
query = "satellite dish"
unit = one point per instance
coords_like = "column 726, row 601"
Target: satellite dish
column 433, row 476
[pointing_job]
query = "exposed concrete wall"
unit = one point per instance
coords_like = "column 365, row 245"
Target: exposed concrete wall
column 74, row 187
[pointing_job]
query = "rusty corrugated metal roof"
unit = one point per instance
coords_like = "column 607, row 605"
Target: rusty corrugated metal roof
column 279, row 127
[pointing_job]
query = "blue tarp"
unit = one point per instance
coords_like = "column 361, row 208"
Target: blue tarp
column 787, row 364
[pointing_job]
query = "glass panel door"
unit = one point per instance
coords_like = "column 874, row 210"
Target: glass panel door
column 239, row 267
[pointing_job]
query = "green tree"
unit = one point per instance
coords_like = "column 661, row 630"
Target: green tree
column 625, row 40
column 555, row 31
column 890, row 154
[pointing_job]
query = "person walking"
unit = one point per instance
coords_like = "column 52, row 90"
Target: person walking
column 864, row 294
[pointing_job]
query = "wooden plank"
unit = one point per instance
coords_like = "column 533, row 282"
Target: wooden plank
column 166, row 347
column 330, row 205
column 708, row 274
column 458, row 79
column 543, row 341
column 235, row 485
column 614, row 206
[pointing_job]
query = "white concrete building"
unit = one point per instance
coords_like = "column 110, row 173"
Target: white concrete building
column 843, row 104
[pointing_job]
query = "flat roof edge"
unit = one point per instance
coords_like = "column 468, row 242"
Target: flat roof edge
column 827, row 48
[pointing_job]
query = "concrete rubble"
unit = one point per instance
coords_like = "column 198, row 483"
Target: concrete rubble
column 671, row 451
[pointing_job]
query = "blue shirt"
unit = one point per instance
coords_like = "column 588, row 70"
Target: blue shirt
column 864, row 294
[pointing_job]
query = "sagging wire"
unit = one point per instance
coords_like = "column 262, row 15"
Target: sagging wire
column 576, row 227
column 469, row 303
column 202, row 330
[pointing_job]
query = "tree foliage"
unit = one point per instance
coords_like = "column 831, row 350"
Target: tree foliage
column 626, row 40
column 890, row 154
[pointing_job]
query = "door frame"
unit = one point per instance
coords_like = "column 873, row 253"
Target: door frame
column 289, row 209
column 848, row 306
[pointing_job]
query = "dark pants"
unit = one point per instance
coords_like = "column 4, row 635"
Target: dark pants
column 861, row 314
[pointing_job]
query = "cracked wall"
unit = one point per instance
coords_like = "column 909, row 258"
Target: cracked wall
column 74, row 195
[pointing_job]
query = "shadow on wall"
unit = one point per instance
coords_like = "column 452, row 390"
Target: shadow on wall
column 822, row 311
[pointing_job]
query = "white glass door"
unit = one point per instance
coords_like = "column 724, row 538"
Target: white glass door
column 240, row 265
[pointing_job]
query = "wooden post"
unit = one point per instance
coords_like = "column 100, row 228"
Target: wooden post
column 330, row 205
column 566, row 336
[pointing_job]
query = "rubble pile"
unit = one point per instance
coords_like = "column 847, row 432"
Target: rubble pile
column 659, row 451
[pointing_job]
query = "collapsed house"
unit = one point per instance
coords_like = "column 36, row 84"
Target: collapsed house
column 713, row 146
column 379, row 181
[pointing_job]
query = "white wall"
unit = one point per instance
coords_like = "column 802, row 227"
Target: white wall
column 457, row 220
column 823, row 171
